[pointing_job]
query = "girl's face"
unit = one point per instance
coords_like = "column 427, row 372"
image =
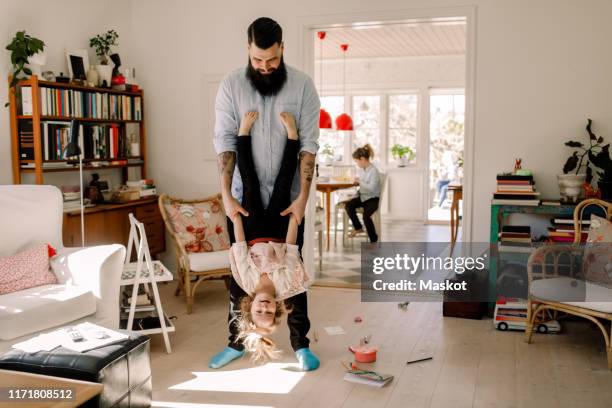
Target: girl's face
column 362, row 162
column 263, row 309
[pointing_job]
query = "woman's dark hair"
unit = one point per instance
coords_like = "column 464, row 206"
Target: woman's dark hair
column 365, row 151
column 265, row 32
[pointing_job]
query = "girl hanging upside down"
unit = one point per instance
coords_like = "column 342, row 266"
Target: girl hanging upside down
column 265, row 259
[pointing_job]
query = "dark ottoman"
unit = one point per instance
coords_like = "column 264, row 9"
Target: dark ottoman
column 124, row 368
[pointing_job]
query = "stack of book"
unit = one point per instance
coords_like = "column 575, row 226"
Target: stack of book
column 143, row 302
column 563, row 230
column 515, row 238
column 513, row 189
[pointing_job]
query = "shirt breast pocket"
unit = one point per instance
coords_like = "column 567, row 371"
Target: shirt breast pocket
column 291, row 107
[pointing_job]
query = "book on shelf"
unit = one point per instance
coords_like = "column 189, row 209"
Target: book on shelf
column 531, row 203
column 26, row 100
column 74, row 103
column 515, row 189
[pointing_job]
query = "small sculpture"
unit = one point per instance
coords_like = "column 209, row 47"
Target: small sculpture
column 517, row 164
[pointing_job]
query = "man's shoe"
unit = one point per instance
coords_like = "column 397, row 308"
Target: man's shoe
column 307, row 359
column 225, row 357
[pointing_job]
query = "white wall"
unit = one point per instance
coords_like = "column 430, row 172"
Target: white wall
column 62, row 24
column 542, row 68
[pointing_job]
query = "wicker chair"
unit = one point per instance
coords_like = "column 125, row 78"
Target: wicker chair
column 545, row 278
column 202, row 265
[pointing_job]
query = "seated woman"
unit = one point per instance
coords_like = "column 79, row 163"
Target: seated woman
column 369, row 193
column 265, row 259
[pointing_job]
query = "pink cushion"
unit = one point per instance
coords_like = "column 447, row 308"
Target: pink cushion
column 598, row 252
column 25, row 270
column 201, row 226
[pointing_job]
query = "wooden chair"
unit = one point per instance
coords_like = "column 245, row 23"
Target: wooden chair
column 201, row 265
column 543, row 268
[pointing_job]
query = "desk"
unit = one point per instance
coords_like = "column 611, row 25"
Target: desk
column 327, row 187
column 454, row 212
column 83, row 390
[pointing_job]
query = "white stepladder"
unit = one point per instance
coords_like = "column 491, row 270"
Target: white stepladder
column 135, row 273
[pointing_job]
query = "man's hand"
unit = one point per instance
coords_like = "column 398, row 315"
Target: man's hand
column 296, row 209
column 233, row 208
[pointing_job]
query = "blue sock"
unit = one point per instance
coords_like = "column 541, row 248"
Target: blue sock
column 224, row 357
column 307, row 359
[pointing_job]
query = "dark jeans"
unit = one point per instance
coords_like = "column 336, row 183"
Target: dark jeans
column 369, row 207
column 270, row 224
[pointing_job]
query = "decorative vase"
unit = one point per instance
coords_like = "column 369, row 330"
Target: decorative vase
column 570, row 186
column 106, row 73
column 93, row 76
column 135, row 149
column 36, row 62
column 403, row 161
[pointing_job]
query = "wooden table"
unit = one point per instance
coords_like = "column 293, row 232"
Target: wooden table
column 457, row 191
column 83, row 390
column 327, row 187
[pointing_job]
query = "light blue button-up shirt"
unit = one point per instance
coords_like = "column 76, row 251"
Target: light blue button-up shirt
column 369, row 183
column 236, row 96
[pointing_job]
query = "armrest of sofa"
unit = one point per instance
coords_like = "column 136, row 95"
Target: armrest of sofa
column 98, row 269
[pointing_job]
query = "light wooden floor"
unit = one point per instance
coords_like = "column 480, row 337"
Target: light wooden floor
column 473, row 366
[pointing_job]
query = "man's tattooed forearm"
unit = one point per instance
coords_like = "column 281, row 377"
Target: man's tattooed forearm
column 226, row 162
column 307, row 165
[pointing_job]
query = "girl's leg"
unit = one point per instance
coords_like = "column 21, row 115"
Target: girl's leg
column 281, row 195
column 351, row 208
column 369, row 207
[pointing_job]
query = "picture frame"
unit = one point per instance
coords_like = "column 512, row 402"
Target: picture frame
column 78, row 63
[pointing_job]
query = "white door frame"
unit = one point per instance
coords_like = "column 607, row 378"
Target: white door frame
column 305, row 60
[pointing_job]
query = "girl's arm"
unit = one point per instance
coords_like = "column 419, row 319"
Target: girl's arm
column 291, row 237
column 238, row 228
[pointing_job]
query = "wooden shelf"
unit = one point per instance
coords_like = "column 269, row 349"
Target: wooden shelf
column 60, row 85
column 16, row 120
column 69, row 118
column 85, row 168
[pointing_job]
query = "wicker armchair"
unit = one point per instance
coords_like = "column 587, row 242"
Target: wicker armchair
column 201, row 265
column 546, row 282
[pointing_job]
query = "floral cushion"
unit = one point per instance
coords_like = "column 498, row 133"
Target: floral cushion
column 26, row 269
column 598, row 252
column 201, row 226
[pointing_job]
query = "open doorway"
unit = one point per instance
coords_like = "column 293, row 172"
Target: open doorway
column 392, row 74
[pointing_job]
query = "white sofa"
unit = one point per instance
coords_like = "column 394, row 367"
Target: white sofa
column 88, row 278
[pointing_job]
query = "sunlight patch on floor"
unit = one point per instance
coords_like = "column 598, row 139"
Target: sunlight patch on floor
column 271, row 378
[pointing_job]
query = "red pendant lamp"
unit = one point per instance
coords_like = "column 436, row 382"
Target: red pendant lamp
column 344, row 120
column 325, row 120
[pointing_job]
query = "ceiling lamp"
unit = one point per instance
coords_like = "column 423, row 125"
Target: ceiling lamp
column 325, row 119
column 344, row 121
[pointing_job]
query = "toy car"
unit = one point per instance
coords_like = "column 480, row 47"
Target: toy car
column 511, row 314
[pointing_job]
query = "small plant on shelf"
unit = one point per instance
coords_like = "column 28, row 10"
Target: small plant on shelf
column 103, row 43
column 403, row 153
column 22, row 47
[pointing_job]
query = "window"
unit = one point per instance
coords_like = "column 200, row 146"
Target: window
column 403, row 122
column 331, row 144
column 366, row 122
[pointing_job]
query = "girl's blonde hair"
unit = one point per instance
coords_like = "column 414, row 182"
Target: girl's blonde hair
column 366, row 151
column 260, row 347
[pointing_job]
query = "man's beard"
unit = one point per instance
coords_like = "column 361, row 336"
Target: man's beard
column 269, row 84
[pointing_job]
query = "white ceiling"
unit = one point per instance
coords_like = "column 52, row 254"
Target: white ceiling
column 394, row 40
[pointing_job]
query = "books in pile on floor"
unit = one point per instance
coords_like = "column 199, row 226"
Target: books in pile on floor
column 143, row 302
column 371, row 378
column 563, row 230
column 513, row 189
column 515, row 238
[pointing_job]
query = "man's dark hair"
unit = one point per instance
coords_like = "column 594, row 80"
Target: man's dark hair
column 265, row 32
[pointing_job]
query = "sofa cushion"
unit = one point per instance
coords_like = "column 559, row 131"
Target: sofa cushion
column 598, row 252
column 200, row 226
column 26, row 269
column 42, row 307
column 207, row 261
column 573, row 292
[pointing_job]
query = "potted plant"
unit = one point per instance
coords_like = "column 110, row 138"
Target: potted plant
column 603, row 163
column 22, row 48
column 403, row 153
column 577, row 169
column 328, row 153
column 102, row 44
